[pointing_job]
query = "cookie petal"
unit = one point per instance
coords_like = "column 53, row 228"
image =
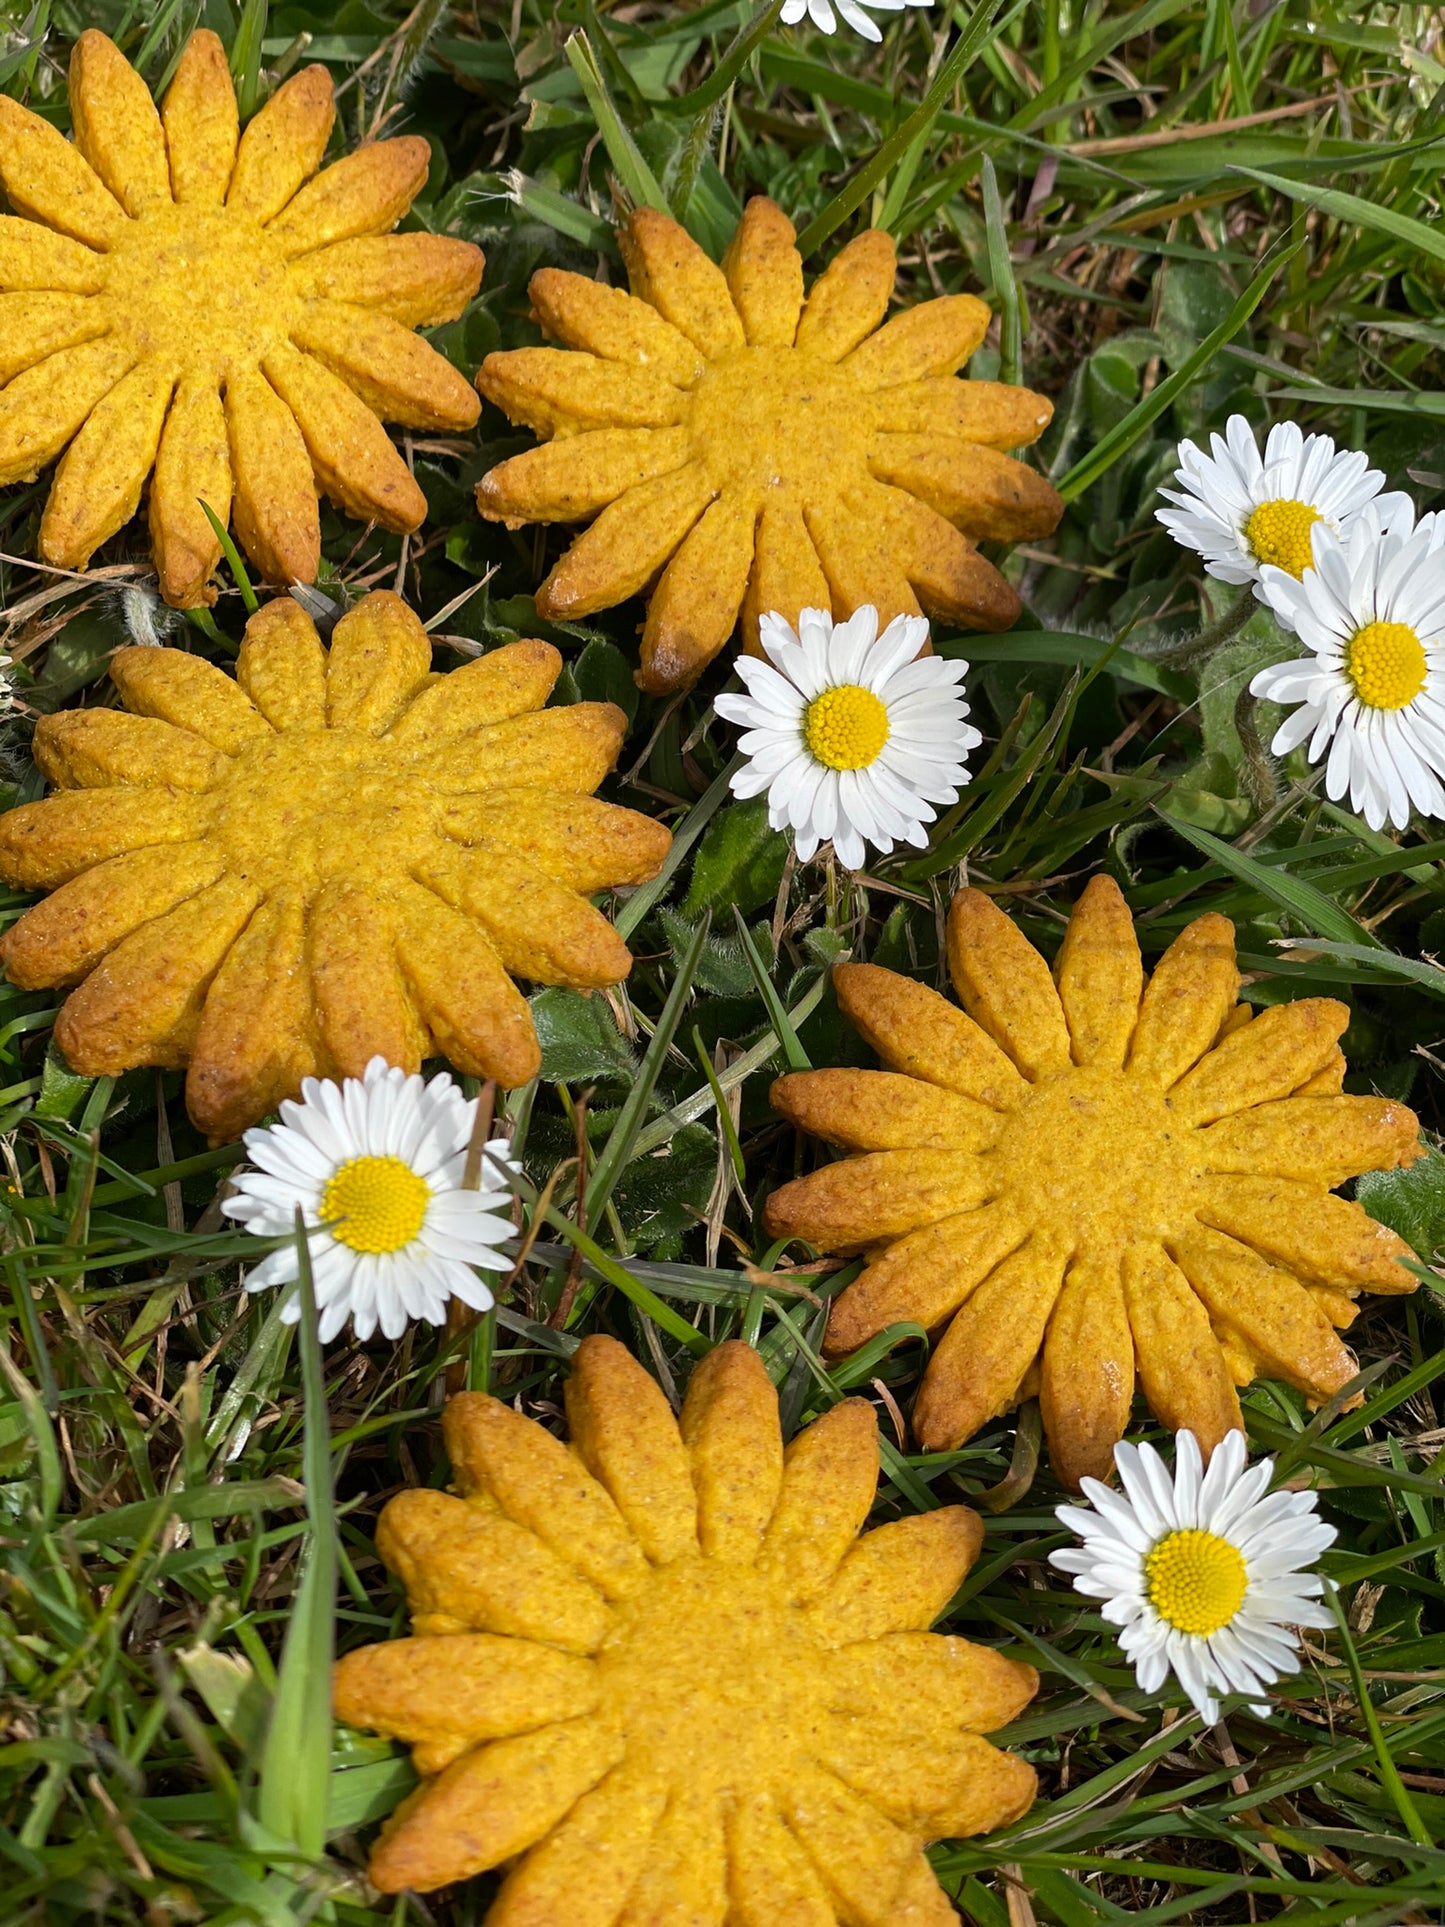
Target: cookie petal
column 201, row 122
column 536, row 1481
column 730, row 1427
column 624, row 1429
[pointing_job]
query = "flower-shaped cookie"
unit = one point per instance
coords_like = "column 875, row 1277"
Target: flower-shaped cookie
column 1091, row 1175
column 337, row 856
column 664, row 1668
column 763, row 452
column 196, row 308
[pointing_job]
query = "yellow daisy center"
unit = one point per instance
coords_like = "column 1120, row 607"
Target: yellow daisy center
column 1385, row 661
column 846, row 727
column 1279, row 532
column 375, row 1204
column 1195, row 1580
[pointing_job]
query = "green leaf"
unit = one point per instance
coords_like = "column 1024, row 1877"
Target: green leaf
column 61, row 1091
column 1411, row 1201
column 740, row 862
column 579, row 1038
column 723, row 968
column 603, row 675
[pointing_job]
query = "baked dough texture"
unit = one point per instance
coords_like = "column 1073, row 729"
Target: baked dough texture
column 1085, row 1177
column 193, row 303
column 752, row 451
column 664, row 1675
column 333, row 856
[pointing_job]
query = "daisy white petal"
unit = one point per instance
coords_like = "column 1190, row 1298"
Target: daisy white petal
column 1246, row 514
column 375, row 1165
column 852, row 735
column 1205, row 1573
column 1370, row 616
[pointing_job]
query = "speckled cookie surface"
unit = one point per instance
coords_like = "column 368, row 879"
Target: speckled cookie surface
column 762, row 451
column 1089, row 1177
column 664, row 1668
column 334, row 855
column 193, row 303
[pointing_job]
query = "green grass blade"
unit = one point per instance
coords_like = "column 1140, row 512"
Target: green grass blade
column 705, row 97
column 296, row 1760
column 979, row 33
column 1120, row 439
column 1300, row 899
column 246, row 57
column 233, row 557
column 798, row 1059
column 1385, row 1759
column 631, row 169
column 619, row 1146
column 1355, row 211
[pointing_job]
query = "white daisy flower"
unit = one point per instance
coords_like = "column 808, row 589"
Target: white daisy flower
column 1242, row 512
column 852, row 735
column 821, row 13
column 1204, row 1572
column 376, row 1166
column 1371, row 690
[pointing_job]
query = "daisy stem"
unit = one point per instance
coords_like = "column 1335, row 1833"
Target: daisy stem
column 1212, row 636
column 1389, row 1772
column 1259, row 775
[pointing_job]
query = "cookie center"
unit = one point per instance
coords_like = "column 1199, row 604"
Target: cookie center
column 315, row 806
column 708, row 1665
column 770, row 418
column 1104, row 1158
column 207, row 285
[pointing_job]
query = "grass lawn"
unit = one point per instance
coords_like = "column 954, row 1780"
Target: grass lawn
column 1178, row 211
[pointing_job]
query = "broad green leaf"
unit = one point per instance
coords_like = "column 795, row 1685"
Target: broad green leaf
column 740, row 862
column 579, row 1038
column 1411, row 1201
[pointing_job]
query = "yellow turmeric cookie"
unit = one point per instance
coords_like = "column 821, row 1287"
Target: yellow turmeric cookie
column 335, row 856
column 664, row 1669
column 760, row 451
column 194, row 303
column 1090, row 1176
